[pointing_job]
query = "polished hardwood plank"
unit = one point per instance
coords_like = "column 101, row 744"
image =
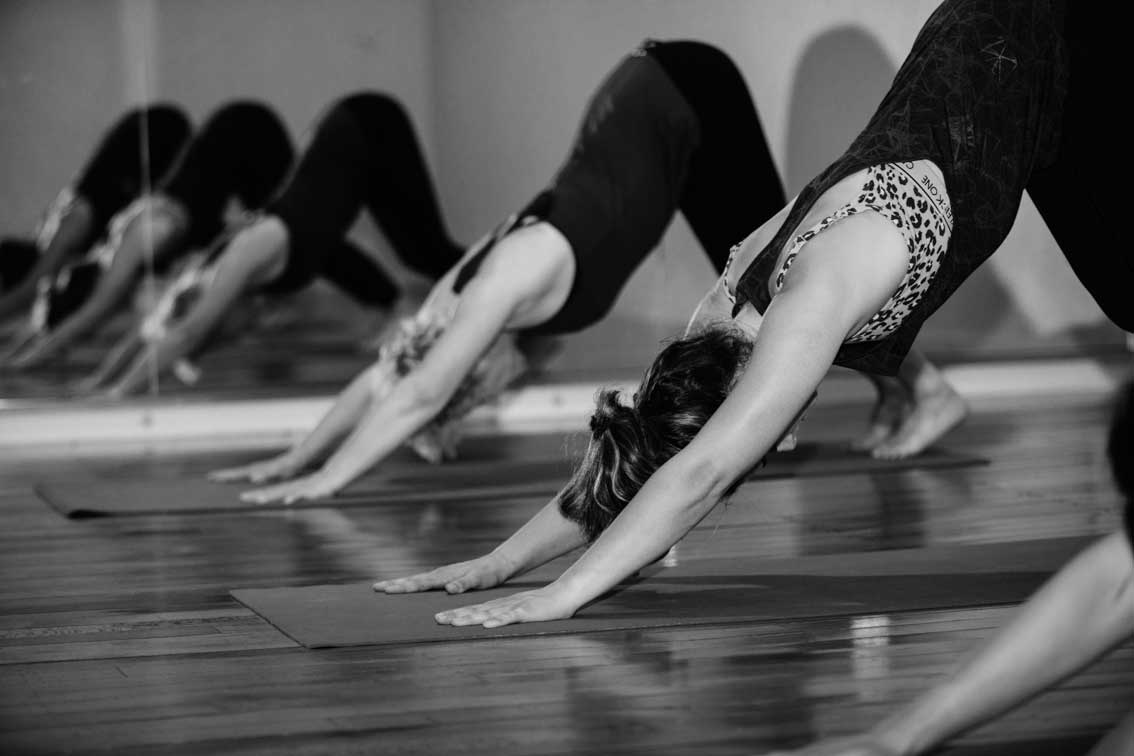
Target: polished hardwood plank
column 117, row 635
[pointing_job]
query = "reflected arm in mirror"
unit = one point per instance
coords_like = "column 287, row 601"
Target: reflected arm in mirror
column 254, row 257
column 66, row 229
column 128, row 349
column 147, row 226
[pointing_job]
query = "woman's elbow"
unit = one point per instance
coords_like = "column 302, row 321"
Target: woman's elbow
column 706, row 480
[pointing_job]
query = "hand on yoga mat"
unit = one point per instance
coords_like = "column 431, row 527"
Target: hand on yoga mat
column 540, row 605
column 859, row 745
column 281, row 466
column 314, row 486
column 487, row 571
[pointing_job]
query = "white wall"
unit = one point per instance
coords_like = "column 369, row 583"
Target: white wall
column 63, row 80
column 68, row 68
column 298, row 55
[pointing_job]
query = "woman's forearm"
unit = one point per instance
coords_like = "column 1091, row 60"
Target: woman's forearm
column 152, row 359
column 384, row 426
column 667, row 507
column 351, row 404
column 108, row 294
column 150, row 233
column 544, row 537
column 1086, row 609
column 121, row 355
column 74, row 228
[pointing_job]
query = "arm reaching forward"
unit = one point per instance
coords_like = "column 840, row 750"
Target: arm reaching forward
column 833, row 288
column 510, row 290
column 1080, row 614
column 253, row 257
column 544, row 537
column 149, row 226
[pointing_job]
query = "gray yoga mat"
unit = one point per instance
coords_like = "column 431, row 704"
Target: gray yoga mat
column 101, row 497
column 694, row 593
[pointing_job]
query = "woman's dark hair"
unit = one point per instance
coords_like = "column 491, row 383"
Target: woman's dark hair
column 686, row 383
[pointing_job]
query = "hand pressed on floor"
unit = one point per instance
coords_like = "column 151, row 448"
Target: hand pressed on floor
column 280, row 466
column 541, row 605
column 476, row 574
column 314, row 486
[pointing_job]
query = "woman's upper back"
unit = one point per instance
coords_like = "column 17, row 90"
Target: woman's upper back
column 980, row 95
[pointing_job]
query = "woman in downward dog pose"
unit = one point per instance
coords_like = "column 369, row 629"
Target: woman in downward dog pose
column 996, row 96
column 363, row 155
column 242, row 152
column 671, row 128
column 135, row 154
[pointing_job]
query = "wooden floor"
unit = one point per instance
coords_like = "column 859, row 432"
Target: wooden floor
column 118, row 635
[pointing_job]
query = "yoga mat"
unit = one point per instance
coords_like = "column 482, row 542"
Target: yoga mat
column 101, row 497
column 693, row 593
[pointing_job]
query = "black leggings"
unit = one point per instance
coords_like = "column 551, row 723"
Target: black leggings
column 243, row 151
column 118, row 173
column 671, row 128
column 17, row 258
column 1076, row 194
column 364, row 155
column 137, row 152
column 732, row 185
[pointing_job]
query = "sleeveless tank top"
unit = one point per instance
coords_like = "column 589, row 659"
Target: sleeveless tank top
column 981, row 96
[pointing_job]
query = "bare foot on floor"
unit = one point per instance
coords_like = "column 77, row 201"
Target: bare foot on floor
column 928, row 418
column 886, row 417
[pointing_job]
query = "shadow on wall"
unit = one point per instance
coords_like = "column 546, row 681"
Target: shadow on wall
column 839, row 81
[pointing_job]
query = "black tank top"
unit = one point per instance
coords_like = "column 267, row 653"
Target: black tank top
column 981, row 95
column 622, row 181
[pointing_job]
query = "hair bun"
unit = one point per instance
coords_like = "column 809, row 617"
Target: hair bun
column 606, row 410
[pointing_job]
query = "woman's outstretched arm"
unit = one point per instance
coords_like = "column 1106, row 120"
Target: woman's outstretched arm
column 833, row 288
column 340, row 420
column 69, row 230
column 372, row 384
column 150, row 229
column 121, row 355
column 544, row 537
column 510, row 286
column 253, row 257
column 1080, row 614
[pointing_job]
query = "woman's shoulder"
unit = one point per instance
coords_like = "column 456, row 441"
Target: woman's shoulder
column 746, row 251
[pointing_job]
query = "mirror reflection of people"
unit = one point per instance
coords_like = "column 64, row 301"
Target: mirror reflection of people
column 242, row 153
column 996, row 96
column 1085, row 610
column 137, row 151
column 363, row 155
